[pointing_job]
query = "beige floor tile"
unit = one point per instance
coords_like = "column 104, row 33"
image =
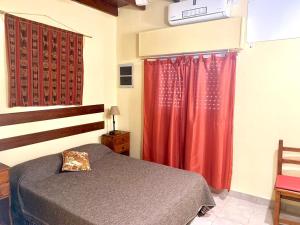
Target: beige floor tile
column 230, row 210
column 223, row 221
column 201, row 221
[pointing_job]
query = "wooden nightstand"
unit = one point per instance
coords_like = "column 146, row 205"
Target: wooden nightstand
column 118, row 142
column 4, row 195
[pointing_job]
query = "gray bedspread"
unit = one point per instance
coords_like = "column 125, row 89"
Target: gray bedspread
column 118, row 191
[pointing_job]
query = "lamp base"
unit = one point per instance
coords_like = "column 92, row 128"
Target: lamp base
column 113, row 132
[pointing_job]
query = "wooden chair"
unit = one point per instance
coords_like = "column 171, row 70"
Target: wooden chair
column 286, row 187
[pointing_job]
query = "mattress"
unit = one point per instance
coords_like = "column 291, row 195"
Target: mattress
column 118, row 191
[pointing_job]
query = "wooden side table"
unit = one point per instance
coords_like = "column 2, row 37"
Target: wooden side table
column 4, row 195
column 118, row 142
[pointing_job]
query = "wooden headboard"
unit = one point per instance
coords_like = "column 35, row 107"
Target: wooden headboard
column 40, row 115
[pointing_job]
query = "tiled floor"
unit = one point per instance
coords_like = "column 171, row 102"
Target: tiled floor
column 232, row 210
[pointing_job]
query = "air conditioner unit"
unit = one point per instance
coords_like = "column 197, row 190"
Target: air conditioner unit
column 193, row 11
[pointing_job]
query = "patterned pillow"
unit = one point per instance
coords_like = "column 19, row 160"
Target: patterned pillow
column 75, row 161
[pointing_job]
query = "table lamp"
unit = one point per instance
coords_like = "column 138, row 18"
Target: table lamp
column 114, row 110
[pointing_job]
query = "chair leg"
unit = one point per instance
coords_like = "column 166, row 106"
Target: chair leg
column 277, row 208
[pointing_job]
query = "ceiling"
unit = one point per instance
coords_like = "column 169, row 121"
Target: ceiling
column 109, row 6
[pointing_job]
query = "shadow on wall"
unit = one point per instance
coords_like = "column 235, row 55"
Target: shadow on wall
column 137, row 43
column 166, row 15
column 142, row 108
column 107, row 118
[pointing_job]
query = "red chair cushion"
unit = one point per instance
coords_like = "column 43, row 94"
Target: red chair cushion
column 288, row 183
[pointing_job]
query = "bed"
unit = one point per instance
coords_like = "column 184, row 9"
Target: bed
column 119, row 190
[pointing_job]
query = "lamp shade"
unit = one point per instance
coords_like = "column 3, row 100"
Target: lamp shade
column 114, row 110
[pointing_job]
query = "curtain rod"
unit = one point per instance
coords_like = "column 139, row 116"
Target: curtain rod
column 49, row 17
column 222, row 51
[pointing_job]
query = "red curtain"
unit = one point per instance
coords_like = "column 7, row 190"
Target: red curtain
column 45, row 64
column 188, row 114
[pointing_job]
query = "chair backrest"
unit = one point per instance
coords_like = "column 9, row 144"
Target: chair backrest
column 282, row 160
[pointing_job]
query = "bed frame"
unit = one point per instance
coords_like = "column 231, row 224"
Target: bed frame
column 41, row 115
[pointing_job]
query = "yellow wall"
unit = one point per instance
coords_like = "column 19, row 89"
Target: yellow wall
column 222, row 34
column 130, row 23
column 266, row 102
column 100, row 83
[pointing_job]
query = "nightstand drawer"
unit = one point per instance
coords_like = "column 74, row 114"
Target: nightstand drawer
column 4, row 190
column 121, row 139
column 4, row 177
column 121, row 148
